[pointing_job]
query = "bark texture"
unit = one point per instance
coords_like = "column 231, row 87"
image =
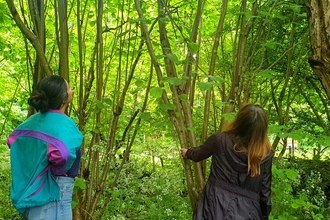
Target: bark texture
column 318, row 12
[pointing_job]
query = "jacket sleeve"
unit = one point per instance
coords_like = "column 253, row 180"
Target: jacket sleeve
column 204, row 151
column 265, row 192
column 56, row 160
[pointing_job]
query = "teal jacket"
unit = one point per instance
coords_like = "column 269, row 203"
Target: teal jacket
column 42, row 146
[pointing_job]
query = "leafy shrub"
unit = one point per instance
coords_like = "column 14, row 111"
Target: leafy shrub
column 297, row 194
column 7, row 211
column 145, row 194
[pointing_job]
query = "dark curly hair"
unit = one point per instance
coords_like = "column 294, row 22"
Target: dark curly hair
column 51, row 92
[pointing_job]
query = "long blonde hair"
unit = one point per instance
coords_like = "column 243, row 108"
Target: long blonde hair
column 250, row 126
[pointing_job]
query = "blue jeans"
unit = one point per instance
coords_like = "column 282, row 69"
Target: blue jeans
column 60, row 210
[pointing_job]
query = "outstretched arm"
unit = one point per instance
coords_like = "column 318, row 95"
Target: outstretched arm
column 202, row 152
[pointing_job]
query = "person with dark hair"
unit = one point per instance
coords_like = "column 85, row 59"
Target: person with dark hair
column 45, row 154
column 239, row 184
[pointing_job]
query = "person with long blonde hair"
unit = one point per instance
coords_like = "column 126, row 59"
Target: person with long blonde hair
column 239, row 184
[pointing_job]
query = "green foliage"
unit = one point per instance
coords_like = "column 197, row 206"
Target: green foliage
column 149, row 191
column 79, row 184
column 297, row 193
column 7, row 211
column 152, row 186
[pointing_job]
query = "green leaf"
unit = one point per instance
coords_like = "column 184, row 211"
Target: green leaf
column 74, row 202
column 139, row 83
column 287, row 186
column 99, row 104
column 216, row 79
column 194, row 73
column 163, row 19
column 291, row 174
column 275, row 129
column 124, row 33
column 324, row 140
column 194, row 129
column 160, row 56
column 167, row 107
column 300, row 202
column 107, row 101
column 313, row 206
column 229, row 116
column 132, row 21
column 172, row 81
column 146, row 116
column 295, row 206
column 173, row 57
column 80, row 183
column 193, row 47
column 267, row 74
column 281, row 217
column 183, row 97
column 92, row 23
column 156, row 92
column 116, row 92
column 296, row 135
column 205, row 85
column 279, row 173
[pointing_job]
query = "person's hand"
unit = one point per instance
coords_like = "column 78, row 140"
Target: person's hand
column 183, row 152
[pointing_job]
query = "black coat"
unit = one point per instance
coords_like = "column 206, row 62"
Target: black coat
column 229, row 192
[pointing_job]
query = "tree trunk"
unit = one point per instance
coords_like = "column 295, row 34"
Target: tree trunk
column 318, row 13
column 34, row 40
column 63, row 39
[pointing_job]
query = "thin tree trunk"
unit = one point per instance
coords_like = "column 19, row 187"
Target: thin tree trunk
column 63, row 39
column 242, row 34
column 34, row 40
